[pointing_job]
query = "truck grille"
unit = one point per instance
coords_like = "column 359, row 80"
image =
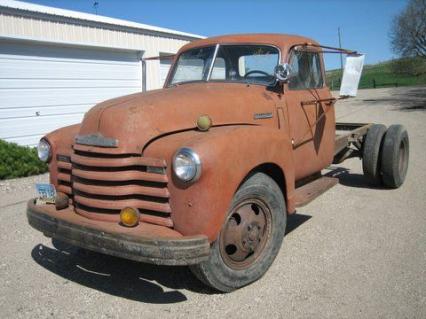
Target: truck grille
column 64, row 173
column 102, row 184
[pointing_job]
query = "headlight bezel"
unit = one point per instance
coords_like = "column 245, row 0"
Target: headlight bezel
column 195, row 160
column 43, row 143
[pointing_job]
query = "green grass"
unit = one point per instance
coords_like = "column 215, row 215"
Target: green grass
column 385, row 74
column 19, row 161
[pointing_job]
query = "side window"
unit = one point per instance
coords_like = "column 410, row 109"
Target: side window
column 305, row 70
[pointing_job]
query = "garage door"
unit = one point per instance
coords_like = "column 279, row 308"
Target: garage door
column 165, row 64
column 46, row 87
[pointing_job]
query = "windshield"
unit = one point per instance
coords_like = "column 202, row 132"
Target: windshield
column 233, row 63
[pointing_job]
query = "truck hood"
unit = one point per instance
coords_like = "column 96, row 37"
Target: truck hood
column 136, row 119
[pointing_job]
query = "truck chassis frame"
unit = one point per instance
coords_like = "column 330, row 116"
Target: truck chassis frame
column 349, row 140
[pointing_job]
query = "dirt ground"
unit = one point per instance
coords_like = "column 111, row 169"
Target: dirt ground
column 355, row 252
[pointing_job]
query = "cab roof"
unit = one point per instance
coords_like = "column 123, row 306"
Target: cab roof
column 282, row 41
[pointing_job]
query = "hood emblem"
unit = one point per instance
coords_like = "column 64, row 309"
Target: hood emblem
column 96, row 140
column 260, row 116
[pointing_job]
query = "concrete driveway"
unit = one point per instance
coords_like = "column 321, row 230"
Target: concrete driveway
column 355, row 252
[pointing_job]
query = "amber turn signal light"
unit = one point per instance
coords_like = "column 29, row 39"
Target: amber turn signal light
column 129, row 216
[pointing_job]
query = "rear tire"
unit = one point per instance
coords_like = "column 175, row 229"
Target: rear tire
column 371, row 155
column 395, row 155
column 250, row 238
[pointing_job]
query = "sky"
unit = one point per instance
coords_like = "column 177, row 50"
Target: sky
column 365, row 24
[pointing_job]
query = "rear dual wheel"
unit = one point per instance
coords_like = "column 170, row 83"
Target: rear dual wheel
column 385, row 155
column 250, row 237
column 371, row 156
column 395, row 155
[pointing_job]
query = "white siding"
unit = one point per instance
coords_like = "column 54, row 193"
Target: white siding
column 87, row 34
column 45, row 87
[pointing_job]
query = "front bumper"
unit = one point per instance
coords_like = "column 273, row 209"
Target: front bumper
column 145, row 242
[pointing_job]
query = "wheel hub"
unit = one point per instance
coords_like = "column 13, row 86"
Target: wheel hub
column 245, row 233
column 251, row 237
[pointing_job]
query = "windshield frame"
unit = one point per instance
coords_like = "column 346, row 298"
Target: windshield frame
column 208, row 78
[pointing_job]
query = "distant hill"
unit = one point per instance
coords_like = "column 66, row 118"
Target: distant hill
column 399, row 72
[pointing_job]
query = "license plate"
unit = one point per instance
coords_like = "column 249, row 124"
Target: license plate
column 46, row 193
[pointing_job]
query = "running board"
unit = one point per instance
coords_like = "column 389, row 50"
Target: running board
column 308, row 192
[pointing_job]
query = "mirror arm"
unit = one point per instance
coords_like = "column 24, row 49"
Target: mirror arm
column 333, row 49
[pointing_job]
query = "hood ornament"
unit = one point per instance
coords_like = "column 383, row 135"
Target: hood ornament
column 204, row 122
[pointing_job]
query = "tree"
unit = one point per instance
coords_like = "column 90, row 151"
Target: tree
column 408, row 33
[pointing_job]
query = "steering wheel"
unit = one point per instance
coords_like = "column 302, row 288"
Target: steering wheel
column 256, row 71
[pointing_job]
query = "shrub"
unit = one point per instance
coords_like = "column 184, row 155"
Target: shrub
column 19, row 161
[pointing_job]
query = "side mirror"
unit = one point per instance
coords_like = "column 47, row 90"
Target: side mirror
column 351, row 75
column 282, row 72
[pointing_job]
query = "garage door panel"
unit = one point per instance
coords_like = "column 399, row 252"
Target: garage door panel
column 51, row 97
column 36, row 51
column 67, row 83
column 21, row 57
column 66, row 70
column 31, row 140
column 12, row 128
column 21, row 112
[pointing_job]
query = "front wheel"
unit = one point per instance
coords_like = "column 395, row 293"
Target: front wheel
column 250, row 237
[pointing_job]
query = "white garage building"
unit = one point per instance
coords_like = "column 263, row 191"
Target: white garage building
column 55, row 64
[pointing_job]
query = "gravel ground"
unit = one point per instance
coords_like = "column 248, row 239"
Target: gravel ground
column 355, row 252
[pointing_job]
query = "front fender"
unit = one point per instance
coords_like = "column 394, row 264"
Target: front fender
column 227, row 155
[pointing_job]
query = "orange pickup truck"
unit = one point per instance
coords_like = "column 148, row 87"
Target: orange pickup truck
column 205, row 171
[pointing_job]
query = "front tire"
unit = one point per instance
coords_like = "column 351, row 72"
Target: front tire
column 250, row 238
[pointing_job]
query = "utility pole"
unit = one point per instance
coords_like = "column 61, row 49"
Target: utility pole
column 340, row 46
column 95, row 6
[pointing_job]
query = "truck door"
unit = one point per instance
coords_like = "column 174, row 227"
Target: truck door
column 310, row 112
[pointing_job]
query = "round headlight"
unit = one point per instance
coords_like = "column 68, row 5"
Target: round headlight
column 187, row 165
column 44, row 150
